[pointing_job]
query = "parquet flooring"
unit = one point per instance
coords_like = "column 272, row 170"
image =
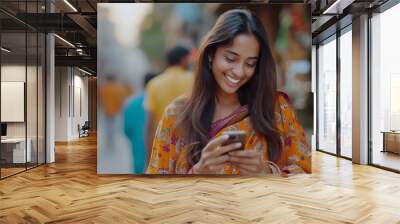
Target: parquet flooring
column 9, row 171
column 70, row 191
column 387, row 159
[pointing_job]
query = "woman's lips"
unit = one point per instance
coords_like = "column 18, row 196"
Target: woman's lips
column 232, row 81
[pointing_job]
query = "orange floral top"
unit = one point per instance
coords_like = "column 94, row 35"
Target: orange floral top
column 169, row 151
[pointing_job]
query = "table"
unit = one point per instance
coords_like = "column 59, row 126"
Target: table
column 391, row 141
column 13, row 150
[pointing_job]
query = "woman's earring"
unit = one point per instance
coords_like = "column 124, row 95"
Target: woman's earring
column 209, row 61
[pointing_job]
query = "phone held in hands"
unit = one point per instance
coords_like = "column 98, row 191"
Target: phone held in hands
column 234, row 137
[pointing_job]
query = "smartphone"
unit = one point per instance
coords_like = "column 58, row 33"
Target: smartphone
column 234, row 137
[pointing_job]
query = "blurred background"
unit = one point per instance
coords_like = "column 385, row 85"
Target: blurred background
column 133, row 40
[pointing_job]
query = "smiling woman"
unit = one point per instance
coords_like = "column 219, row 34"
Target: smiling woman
column 233, row 65
column 234, row 90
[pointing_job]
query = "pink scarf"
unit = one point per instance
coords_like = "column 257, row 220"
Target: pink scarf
column 236, row 116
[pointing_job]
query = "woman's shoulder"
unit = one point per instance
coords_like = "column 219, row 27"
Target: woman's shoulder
column 284, row 104
column 177, row 106
column 283, row 98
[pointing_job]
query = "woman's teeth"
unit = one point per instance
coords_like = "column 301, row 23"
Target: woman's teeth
column 235, row 81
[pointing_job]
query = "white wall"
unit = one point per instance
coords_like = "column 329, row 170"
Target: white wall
column 70, row 83
column 33, row 126
column 61, row 103
column 80, row 89
column 12, row 73
column 16, row 73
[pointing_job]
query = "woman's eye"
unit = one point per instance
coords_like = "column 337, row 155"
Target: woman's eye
column 229, row 59
column 252, row 65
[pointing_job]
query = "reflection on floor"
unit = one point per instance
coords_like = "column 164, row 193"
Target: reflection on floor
column 11, row 169
column 387, row 159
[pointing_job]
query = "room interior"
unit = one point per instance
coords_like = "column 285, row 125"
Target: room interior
column 48, row 172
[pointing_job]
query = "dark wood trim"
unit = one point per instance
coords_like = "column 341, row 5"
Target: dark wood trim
column 45, row 95
column 338, row 73
column 330, row 153
column 369, row 100
column 385, row 168
column 317, row 96
column 333, row 154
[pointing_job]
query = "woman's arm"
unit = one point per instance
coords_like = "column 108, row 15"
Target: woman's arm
column 162, row 147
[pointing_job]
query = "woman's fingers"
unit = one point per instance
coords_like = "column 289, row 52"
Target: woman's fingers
column 245, row 153
column 217, row 168
column 221, row 150
column 245, row 160
column 214, row 143
column 217, row 160
column 247, row 169
column 215, row 156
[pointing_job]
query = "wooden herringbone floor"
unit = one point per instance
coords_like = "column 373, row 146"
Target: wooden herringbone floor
column 70, row 191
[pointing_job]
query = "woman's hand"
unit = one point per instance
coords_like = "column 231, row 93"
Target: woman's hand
column 249, row 162
column 214, row 156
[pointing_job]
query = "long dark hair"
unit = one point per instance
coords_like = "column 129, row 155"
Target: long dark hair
column 259, row 93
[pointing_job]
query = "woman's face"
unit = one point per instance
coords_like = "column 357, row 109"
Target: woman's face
column 234, row 64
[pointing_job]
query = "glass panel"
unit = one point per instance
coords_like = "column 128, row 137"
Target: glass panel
column 385, row 86
column 314, row 90
column 23, row 89
column 31, row 101
column 41, row 6
column 327, row 97
column 41, row 99
column 346, row 94
column 13, row 87
column 31, row 85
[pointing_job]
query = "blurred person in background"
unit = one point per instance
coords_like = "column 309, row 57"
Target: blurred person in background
column 112, row 95
column 162, row 90
column 234, row 89
column 135, row 126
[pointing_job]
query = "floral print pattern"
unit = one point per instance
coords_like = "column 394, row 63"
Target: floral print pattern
column 169, row 151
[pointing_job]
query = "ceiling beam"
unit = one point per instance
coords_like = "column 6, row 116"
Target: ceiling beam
column 337, row 7
column 84, row 24
column 83, row 61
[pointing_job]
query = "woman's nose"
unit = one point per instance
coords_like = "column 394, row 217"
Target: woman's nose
column 238, row 70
